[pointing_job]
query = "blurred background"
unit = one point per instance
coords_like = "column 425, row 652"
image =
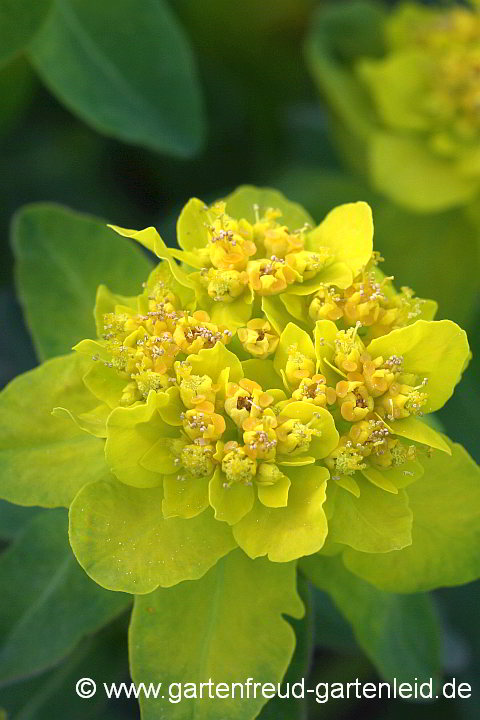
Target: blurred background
column 241, row 105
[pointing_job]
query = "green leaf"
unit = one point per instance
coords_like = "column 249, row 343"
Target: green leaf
column 126, row 68
column 349, row 29
column 375, row 522
column 339, row 33
column 332, row 631
column 445, row 504
column 241, row 202
column 291, row 707
column 47, row 604
column 399, row 633
column 45, row 460
column 262, row 372
column 123, row 542
column 347, row 231
column 19, row 21
column 228, row 626
column 62, row 257
column 102, row 657
column 405, row 73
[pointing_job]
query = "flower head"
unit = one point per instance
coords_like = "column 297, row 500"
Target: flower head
column 243, row 421
column 426, row 93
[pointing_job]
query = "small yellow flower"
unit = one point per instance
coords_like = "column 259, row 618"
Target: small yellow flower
column 298, row 366
column 271, row 276
column 245, row 400
column 326, row 304
column 307, row 263
column 194, row 332
column 239, row 467
column 224, row 285
column 194, row 389
column 258, row 338
column 315, row 389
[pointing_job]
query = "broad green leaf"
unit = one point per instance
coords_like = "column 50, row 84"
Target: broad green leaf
column 351, row 28
column 62, row 257
column 340, row 32
column 375, row 522
column 123, row 542
column 228, row 626
column 446, row 530
column 263, row 372
column 45, row 460
column 400, row 634
column 417, row 430
column 275, row 312
column 102, row 657
column 47, row 604
column 296, row 708
column 405, row 73
column 126, row 68
column 19, row 21
column 231, row 504
column 458, row 606
column 332, row 631
column 242, row 201
column 131, row 433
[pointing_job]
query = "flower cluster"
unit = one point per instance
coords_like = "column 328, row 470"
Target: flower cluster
column 426, row 93
column 274, row 362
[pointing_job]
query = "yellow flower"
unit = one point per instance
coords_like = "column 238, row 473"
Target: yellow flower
column 426, row 94
column 258, row 338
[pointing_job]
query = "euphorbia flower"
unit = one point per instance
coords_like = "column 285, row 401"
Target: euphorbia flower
column 240, row 450
column 411, row 98
column 295, row 431
column 426, row 94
